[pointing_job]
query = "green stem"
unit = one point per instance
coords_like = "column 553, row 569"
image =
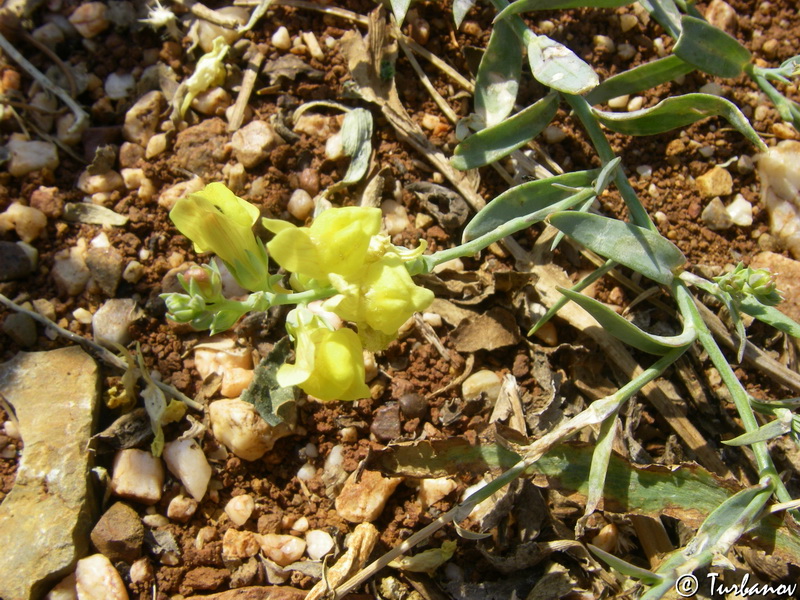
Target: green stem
column 303, row 297
column 740, row 398
column 584, row 112
column 513, row 226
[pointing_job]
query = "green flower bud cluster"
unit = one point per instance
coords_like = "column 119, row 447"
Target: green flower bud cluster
column 748, row 282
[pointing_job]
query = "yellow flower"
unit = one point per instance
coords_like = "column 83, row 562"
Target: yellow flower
column 337, row 242
column 329, row 364
column 216, row 220
column 383, row 298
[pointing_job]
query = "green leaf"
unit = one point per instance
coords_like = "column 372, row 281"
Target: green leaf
column 666, row 13
column 677, row 112
column 710, row 49
column 624, row 567
column 356, row 143
column 600, row 458
column 639, row 79
column 521, row 6
column 494, row 143
column 274, row 403
column 526, row 199
column 642, row 250
column 775, row 428
column 460, row 10
column 626, row 331
column 399, row 9
column 497, row 81
column 770, row 315
column 558, row 67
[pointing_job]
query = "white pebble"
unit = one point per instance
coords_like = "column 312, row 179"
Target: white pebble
column 105, row 182
column 141, row 571
column 395, row 217
column 300, row 205
column 553, row 134
column 281, row 39
column 239, row 544
column 635, row 103
column 82, row 316
column 604, row 43
column 713, row 88
column 433, row 490
column 239, row 508
column 282, row 549
column 12, row 430
column 306, row 472
column 236, row 424
column 644, row 171
column 619, row 102
column 310, row 450
column 333, row 147
column 483, row 382
column 111, row 321
column 313, row 45
column 118, row 86
column 627, row 22
column 97, row 579
column 133, row 272
column 28, row 156
column 318, row 544
column 26, row 221
column 137, row 475
column 707, row 151
column 741, row 211
column 626, row 51
column 181, row 508
column 185, row 459
column 301, row 525
column 155, row 521
column 156, row 146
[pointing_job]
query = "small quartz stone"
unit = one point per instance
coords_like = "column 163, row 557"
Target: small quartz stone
column 239, row 508
column 715, row 216
column 318, row 543
column 137, row 475
column 28, row 156
column 97, row 579
column 239, row 544
column 185, row 459
column 281, row 39
column 363, row 499
column 181, row 508
column 282, row 549
column 90, row 19
column 483, row 382
column 716, row 182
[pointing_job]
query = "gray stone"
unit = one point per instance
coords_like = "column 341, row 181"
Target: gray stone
column 253, row 143
column 715, row 216
column 20, row 328
column 111, row 321
column 119, row 534
column 143, row 118
column 45, row 519
column 386, row 423
column 14, row 262
column 105, row 265
column 203, row 148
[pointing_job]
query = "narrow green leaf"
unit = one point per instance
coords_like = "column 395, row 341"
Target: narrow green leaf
column 666, row 14
column 497, row 81
column 626, row 331
column 775, row 428
column 521, row 6
column 460, row 10
column 677, row 112
column 494, row 143
column 642, row 250
column 639, row 79
column 770, row 315
column 399, row 9
column 274, row 403
column 710, row 49
column 624, row 567
column 525, row 199
column 600, row 458
column 558, row 67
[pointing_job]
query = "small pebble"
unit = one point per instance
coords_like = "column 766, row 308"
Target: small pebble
column 627, row 22
column 745, row 165
column 27, row 222
column 82, row 316
column 141, row 572
column 309, row 181
column 301, row 525
column 740, row 211
column 553, row 134
column 239, row 544
column 29, row 156
column 626, row 51
column 433, row 490
column 137, row 475
column 144, row 117
column 133, row 272
column 318, row 544
column 715, row 216
column 716, row 182
column 236, row 424
column 363, row 499
column 113, row 319
column 97, row 579
column 349, row 435
column 240, row 508
column 282, row 549
column 313, row 45
column 155, row 521
column 21, row 328
column 645, row 171
column 119, row 86
column 252, row 143
column 482, row 383
column 281, row 39
column 185, row 459
column 15, row 262
column 181, row 508
column 300, row 205
column 604, row 43
column 395, row 217
column 713, row 88
column 156, row 146
column 333, row 147
column 90, row 19
column 70, row 272
column 635, row 103
column 619, row 102
column 386, row 423
column 413, row 406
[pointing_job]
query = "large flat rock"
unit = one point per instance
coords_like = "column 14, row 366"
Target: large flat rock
column 46, row 518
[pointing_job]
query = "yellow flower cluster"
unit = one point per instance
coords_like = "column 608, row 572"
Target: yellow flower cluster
column 344, row 248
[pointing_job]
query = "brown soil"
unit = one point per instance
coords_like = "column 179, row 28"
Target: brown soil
column 410, row 364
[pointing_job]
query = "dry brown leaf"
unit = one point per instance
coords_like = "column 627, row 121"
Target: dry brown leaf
column 495, row 329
